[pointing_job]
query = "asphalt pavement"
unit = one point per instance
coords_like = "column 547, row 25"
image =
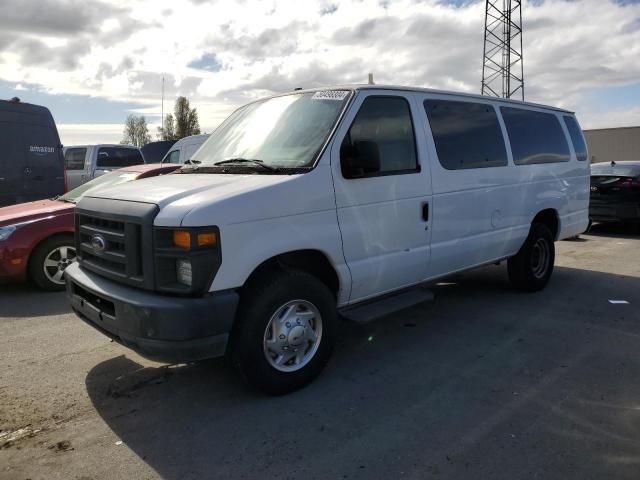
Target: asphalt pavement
column 484, row 382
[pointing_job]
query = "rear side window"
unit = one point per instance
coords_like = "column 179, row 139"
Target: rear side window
column 536, row 137
column 172, row 157
column 74, row 158
column 576, row 137
column 386, row 121
column 466, row 134
column 117, row 157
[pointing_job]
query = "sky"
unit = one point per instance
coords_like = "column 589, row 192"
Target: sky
column 92, row 62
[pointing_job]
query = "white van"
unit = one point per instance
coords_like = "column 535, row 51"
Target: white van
column 86, row 162
column 183, row 149
column 313, row 203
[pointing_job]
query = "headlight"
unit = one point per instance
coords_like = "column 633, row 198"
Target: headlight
column 183, row 271
column 5, row 232
column 186, row 259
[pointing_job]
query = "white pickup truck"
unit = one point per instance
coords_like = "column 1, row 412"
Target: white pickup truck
column 313, row 203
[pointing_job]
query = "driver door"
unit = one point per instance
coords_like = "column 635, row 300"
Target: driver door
column 383, row 206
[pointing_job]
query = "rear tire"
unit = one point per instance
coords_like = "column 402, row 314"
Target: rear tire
column 531, row 268
column 49, row 260
column 285, row 331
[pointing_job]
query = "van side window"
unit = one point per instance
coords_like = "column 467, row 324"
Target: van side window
column 117, row 157
column 575, row 132
column 466, row 134
column 74, row 158
column 383, row 127
column 536, row 137
column 173, row 157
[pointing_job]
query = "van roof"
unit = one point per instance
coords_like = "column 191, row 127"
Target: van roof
column 192, row 138
column 507, row 101
column 26, row 113
column 22, row 107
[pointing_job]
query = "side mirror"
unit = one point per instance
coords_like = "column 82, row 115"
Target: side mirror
column 359, row 159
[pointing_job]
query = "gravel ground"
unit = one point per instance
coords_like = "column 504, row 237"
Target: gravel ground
column 484, row 382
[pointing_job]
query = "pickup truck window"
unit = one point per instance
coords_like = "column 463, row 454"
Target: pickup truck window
column 74, row 158
column 117, row 157
column 283, row 132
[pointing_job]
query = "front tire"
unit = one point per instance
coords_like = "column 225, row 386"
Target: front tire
column 284, row 336
column 48, row 261
column 531, row 268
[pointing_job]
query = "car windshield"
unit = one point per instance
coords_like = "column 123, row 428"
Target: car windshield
column 282, row 132
column 106, row 180
column 619, row 170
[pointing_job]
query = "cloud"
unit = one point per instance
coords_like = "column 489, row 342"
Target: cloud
column 222, row 54
column 328, row 9
column 208, row 62
column 57, row 34
column 270, row 42
column 34, row 52
column 142, row 82
column 55, row 17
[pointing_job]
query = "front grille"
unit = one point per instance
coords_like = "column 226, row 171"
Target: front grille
column 116, row 240
column 114, row 255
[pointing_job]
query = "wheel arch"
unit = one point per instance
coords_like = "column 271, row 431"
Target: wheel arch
column 312, row 261
column 551, row 219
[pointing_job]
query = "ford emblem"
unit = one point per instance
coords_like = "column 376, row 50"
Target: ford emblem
column 98, row 243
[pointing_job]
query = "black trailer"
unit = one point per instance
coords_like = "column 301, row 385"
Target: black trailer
column 31, row 159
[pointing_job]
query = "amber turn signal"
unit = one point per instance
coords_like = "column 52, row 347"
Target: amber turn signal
column 182, row 239
column 207, row 239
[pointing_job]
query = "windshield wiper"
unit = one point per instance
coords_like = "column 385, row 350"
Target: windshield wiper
column 191, row 161
column 253, row 161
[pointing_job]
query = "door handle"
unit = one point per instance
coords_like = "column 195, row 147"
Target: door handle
column 425, row 211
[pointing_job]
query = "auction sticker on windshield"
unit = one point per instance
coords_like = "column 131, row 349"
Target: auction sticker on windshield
column 330, row 95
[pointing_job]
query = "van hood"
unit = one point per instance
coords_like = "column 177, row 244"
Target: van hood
column 187, row 189
column 33, row 210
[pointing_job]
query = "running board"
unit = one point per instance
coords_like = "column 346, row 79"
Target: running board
column 386, row 305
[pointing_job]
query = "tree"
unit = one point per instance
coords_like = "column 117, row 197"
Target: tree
column 136, row 131
column 167, row 131
column 186, row 119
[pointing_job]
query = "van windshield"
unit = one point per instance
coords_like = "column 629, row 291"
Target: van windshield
column 281, row 132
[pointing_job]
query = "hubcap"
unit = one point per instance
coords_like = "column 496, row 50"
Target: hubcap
column 540, row 258
column 56, row 261
column 292, row 336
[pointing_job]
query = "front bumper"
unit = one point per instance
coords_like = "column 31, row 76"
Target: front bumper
column 13, row 264
column 159, row 327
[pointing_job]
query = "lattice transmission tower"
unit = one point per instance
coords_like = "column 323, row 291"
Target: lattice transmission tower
column 502, row 65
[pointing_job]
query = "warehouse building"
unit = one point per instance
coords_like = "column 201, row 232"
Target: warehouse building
column 613, row 144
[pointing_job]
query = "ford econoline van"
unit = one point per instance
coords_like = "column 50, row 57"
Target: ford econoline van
column 311, row 204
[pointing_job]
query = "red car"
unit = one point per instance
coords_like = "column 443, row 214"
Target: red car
column 36, row 238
